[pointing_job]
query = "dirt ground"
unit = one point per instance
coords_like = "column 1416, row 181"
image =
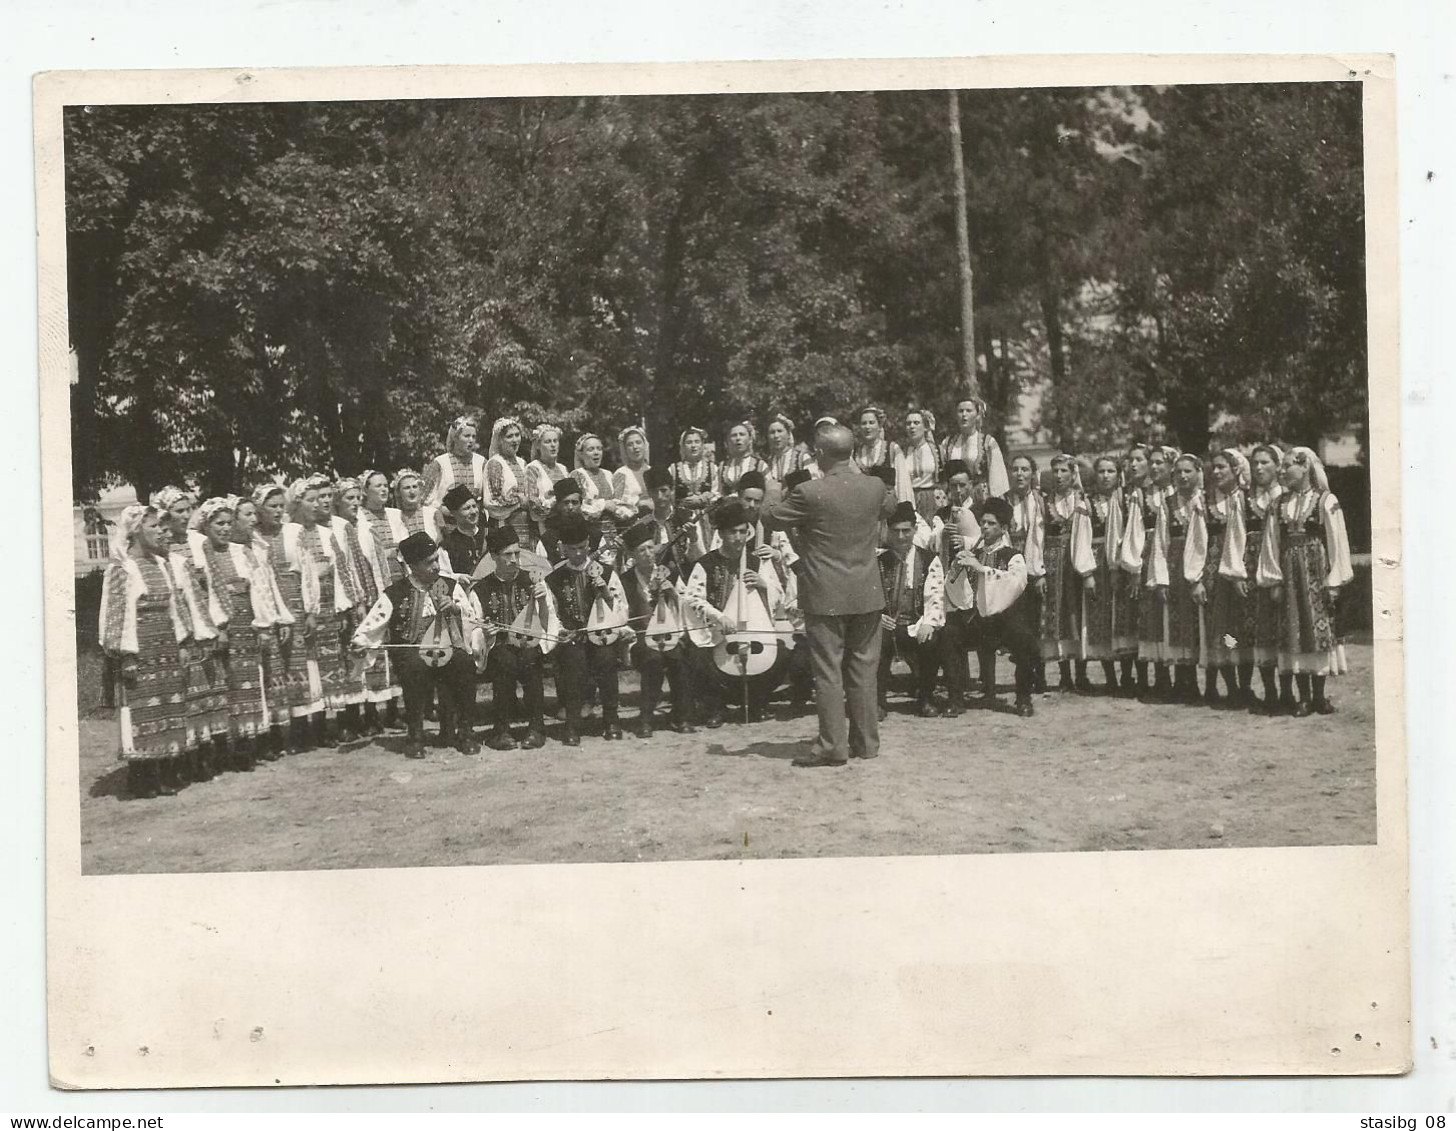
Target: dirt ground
column 1086, row 774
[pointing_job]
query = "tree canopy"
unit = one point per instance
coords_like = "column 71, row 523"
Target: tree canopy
column 274, row 288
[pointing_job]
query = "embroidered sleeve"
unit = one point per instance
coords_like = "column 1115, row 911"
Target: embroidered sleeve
column 1195, row 544
column 375, row 626
column 1235, row 540
column 1134, row 537
column 998, row 590
column 1158, row 551
column 996, row 481
column 113, row 607
column 1035, row 533
column 1337, row 543
column 1271, row 571
column 934, row 594
column 431, row 477
column 1083, row 560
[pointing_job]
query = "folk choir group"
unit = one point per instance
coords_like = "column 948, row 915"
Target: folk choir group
column 312, row 613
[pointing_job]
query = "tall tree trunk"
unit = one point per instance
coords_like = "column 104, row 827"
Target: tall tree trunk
column 963, row 249
column 1051, row 313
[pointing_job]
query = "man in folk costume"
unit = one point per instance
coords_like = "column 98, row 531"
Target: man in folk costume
column 707, row 598
column 503, row 594
column 577, row 584
column 953, row 531
column 565, row 504
column 651, row 572
column 459, row 464
column 777, row 548
column 668, row 520
column 914, row 584
column 464, row 539
column 400, row 619
column 999, row 619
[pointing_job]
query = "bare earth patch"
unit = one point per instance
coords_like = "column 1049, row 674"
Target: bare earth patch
column 1086, row 774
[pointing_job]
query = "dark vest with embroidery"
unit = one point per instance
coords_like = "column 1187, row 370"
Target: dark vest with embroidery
column 575, row 594
column 721, row 573
column 502, row 601
column 639, row 600
column 465, row 551
column 407, row 622
column 908, row 605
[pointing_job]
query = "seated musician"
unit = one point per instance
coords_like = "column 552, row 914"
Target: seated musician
column 1003, row 619
column 707, row 599
column 669, row 519
column 774, row 547
column 464, row 538
column 955, row 529
column 652, row 571
column 400, row 618
column 575, row 586
column 778, row 549
column 914, row 584
column 504, row 594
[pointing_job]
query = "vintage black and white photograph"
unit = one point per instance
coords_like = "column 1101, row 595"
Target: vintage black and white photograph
column 626, row 478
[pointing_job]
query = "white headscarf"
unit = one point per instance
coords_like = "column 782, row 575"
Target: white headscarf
column 1317, row 477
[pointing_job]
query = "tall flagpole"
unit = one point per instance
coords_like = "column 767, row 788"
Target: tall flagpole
column 963, row 246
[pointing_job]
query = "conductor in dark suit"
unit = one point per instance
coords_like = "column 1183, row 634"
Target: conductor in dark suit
column 836, row 521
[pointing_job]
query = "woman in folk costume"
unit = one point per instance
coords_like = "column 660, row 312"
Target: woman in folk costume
column 1305, row 561
column 1150, row 471
column 696, row 479
column 1026, row 534
column 1069, row 569
column 1259, row 634
column 1104, row 604
column 784, row 456
column 458, row 463
column 307, row 569
column 542, row 474
column 629, row 481
column 206, row 681
column 414, row 515
column 374, row 514
column 874, row 448
column 144, row 627
column 917, row 464
column 505, row 496
column 245, row 605
column 604, row 512
column 272, row 623
column 738, row 457
column 1185, row 551
column 1226, row 583
column 354, row 531
column 977, row 450
column 285, row 674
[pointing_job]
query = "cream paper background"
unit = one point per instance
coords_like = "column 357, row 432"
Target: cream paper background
column 1220, row 961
